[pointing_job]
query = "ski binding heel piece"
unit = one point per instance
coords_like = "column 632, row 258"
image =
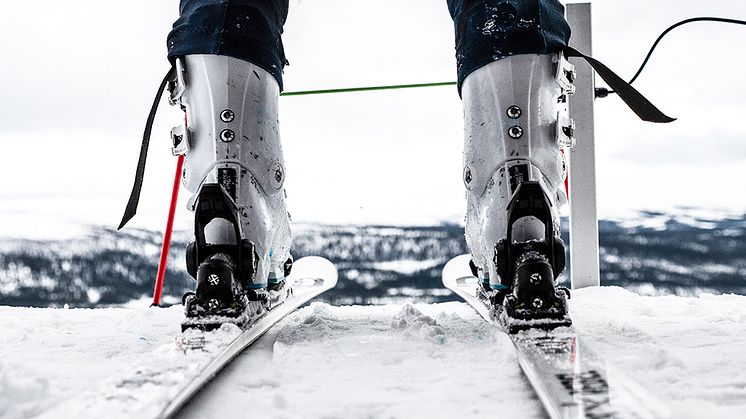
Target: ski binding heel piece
column 531, row 267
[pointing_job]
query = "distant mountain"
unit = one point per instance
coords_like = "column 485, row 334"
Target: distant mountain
column 653, row 253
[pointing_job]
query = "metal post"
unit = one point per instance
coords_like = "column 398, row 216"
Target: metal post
column 584, row 253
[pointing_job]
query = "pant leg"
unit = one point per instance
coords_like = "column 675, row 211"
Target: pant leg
column 246, row 29
column 488, row 30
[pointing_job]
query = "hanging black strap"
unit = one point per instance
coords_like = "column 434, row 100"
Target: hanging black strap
column 634, row 99
column 131, row 209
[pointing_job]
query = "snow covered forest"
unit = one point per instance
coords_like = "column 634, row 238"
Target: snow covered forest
column 680, row 254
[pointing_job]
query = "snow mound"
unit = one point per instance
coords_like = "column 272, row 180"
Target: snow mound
column 23, row 390
column 414, row 324
column 311, row 323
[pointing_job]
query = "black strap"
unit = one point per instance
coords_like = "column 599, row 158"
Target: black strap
column 634, row 99
column 131, row 209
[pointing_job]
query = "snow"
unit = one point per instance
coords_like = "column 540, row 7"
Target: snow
column 411, row 360
column 657, row 219
column 406, row 267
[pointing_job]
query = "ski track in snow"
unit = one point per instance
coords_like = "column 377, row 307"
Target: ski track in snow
column 412, row 360
column 376, row 361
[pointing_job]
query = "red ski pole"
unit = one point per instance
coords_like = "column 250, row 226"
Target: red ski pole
column 160, row 276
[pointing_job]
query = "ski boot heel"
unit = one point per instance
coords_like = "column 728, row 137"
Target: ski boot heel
column 535, row 302
column 216, row 283
column 219, row 297
column 224, row 271
column 532, row 267
column 534, row 281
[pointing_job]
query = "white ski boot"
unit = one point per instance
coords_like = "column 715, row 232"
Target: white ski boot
column 516, row 123
column 234, row 167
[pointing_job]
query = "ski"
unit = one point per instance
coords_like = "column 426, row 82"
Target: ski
column 570, row 379
column 310, row 277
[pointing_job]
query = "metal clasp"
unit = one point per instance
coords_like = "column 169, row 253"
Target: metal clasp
column 565, row 130
column 566, row 74
column 177, row 86
column 180, row 140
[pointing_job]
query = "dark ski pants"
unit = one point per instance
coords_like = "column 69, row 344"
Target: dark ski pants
column 486, row 30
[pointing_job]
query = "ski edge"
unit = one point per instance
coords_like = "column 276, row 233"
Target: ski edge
column 248, row 337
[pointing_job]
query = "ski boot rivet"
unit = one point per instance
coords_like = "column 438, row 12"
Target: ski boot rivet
column 514, row 112
column 277, row 176
column 227, row 135
column 537, row 303
column 227, row 115
column 213, row 280
column 515, row 132
column 535, row 278
column 467, row 176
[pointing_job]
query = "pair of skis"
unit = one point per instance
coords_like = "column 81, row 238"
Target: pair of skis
column 570, row 379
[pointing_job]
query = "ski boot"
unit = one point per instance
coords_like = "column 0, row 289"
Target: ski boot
column 235, row 169
column 516, row 123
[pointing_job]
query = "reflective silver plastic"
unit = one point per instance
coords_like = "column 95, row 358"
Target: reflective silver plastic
column 501, row 151
column 232, row 126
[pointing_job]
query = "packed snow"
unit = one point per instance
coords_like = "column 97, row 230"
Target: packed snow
column 411, row 360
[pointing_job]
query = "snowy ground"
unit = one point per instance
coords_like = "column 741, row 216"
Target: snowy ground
column 375, row 361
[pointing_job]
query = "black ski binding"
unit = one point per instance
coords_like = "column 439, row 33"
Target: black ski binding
column 530, row 269
column 224, row 272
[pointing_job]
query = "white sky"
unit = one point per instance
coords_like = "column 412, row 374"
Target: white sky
column 77, row 78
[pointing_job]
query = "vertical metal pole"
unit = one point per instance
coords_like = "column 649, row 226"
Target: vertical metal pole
column 584, row 253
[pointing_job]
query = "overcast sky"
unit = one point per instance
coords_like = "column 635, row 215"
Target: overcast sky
column 77, row 79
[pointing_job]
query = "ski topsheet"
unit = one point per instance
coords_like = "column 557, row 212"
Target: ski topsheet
column 310, row 277
column 570, row 379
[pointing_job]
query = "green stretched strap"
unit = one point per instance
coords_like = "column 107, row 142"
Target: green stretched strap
column 367, row 89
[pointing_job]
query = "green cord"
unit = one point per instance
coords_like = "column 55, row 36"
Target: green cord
column 367, row 89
